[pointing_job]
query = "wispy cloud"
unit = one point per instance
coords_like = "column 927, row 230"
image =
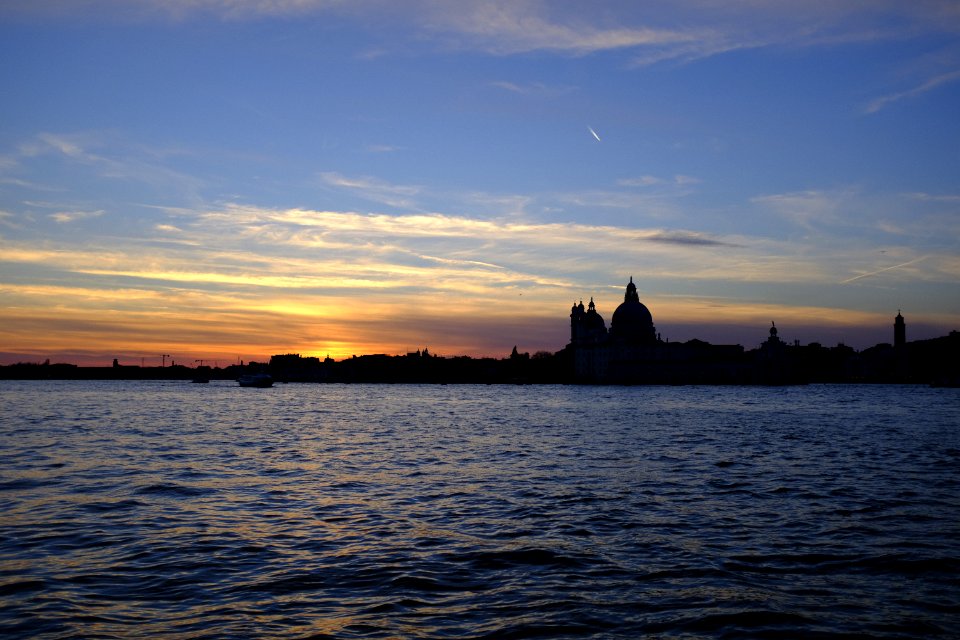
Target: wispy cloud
column 902, row 265
column 535, row 89
column 401, row 196
column 67, row 145
column 382, row 148
column 105, row 155
column 931, row 84
column 433, row 251
column 933, row 197
column 516, row 27
column 684, row 30
column 650, row 32
column 642, row 181
column 73, row 216
column 807, row 208
column 650, row 181
column 306, row 270
column 8, row 219
column 120, row 10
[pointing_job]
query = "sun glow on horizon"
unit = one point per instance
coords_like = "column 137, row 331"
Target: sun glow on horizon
column 403, row 288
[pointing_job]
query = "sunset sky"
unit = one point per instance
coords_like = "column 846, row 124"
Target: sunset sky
column 231, row 179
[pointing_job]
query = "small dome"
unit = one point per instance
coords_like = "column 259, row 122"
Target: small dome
column 593, row 319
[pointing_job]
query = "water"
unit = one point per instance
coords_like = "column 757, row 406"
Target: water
column 132, row 509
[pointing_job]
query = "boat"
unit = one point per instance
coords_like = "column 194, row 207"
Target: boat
column 261, row 380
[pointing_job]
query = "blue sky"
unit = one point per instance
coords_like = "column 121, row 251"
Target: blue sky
column 241, row 178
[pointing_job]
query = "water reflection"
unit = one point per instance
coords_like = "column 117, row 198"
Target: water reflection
column 410, row 511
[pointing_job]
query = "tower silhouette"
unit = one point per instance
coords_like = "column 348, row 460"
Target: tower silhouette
column 899, row 331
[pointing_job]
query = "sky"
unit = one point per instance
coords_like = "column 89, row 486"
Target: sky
column 224, row 180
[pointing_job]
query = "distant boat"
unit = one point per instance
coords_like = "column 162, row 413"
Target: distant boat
column 261, row 380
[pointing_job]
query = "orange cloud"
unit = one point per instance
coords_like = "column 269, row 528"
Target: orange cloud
column 250, row 282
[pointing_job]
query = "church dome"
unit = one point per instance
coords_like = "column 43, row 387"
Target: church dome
column 593, row 320
column 632, row 321
column 632, row 315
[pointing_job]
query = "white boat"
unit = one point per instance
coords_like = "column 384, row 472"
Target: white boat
column 261, row 380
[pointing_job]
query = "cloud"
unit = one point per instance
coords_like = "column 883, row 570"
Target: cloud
column 535, row 89
column 902, row 265
column 807, row 208
column 343, row 282
column 930, row 197
column 932, row 83
column 7, row 219
column 401, row 196
column 293, row 249
column 73, row 216
column 649, row 181
column 650, row 32
column 73, row 147
column 122, row 10
column 417, row 198
column 381, row 148
column 654, row 32
column 505, row 28
column 105, row 155
column 642, row 181
column 472, row 263
column 688, row 238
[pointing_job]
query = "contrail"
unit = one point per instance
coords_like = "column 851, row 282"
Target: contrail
column 873, row 273
column 590, row 129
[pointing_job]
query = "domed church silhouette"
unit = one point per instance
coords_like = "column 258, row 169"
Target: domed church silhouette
column 632, row 323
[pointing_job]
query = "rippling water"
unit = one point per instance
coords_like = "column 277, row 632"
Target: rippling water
column 367, row 511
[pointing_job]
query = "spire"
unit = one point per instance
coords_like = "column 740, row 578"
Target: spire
column 631, row 295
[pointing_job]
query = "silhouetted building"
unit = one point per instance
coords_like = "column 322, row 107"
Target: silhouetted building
column 776, row 361
column 292, row 367
column 631, row 352
column 899, row 332
column 632, row 323
column 587, row 327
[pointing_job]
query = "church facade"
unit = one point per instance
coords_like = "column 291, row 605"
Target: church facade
column 632, row 352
